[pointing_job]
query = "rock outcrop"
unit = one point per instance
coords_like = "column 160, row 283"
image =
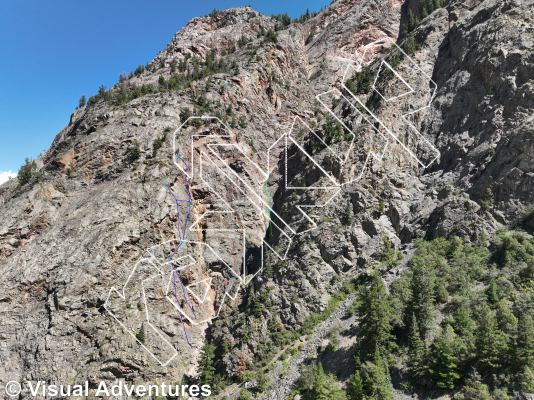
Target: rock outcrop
column 94, row 205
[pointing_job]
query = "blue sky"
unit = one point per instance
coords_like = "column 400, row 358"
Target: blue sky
column 52, row 52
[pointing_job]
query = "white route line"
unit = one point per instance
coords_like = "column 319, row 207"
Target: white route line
column 201, row 301
column 123, row 297
column 398, row 76
column 257, row 200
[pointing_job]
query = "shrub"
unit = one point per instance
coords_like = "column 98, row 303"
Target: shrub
column 311, row 321
column 242, row 122
column 245, row 395
column 334, row 338
column 307, row 377
column 352, row 309
column 380, row 206
column 214, row 13
column 158, row 143
column 134, row 152
column 271, row 36
column 185, row 114
column 242, row 41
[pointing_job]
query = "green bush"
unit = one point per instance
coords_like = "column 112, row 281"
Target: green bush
column 315, row 318
column 245, row 395
column 158, row 143
column 307, row 376
column 333, row 337
column 242, row 122
column 134, row 152
column 380, row 206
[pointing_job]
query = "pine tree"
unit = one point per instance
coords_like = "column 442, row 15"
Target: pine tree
column 141, row 335
column 349, row 213
column 416, row 354
column 320, row 385
column 437, row 4
column 506, row 321
column 26, row 172
column 134, row 153
column 205, row 364
column 526, row 380
column 465, row 327
column 268, row 269
column 374, row 311
column 389, row 256
column 241, row 366
column 491, row 292
column 424, row 8
column 442, row 296
column 490, row 341
column 355, row 391
column 378, row 379
column 525, row 339
column 464, row 324
column 334, row 392
column 411, row 21
column 259, row 302
column 263, row 381
column 416, row 22
column 162, row 83
column 445, row 366
column 422, row 301
column 307, row 377
column 474, row 389
column 81, row 103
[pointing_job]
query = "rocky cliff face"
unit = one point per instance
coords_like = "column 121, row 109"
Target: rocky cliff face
column 97, row 204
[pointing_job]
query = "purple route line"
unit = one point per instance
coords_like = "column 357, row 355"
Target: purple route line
column 182, row 237
column 183, row 290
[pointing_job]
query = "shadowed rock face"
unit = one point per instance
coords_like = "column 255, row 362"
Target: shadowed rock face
column 68, row 238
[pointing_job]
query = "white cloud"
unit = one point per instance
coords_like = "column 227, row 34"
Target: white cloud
column 5, row 175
